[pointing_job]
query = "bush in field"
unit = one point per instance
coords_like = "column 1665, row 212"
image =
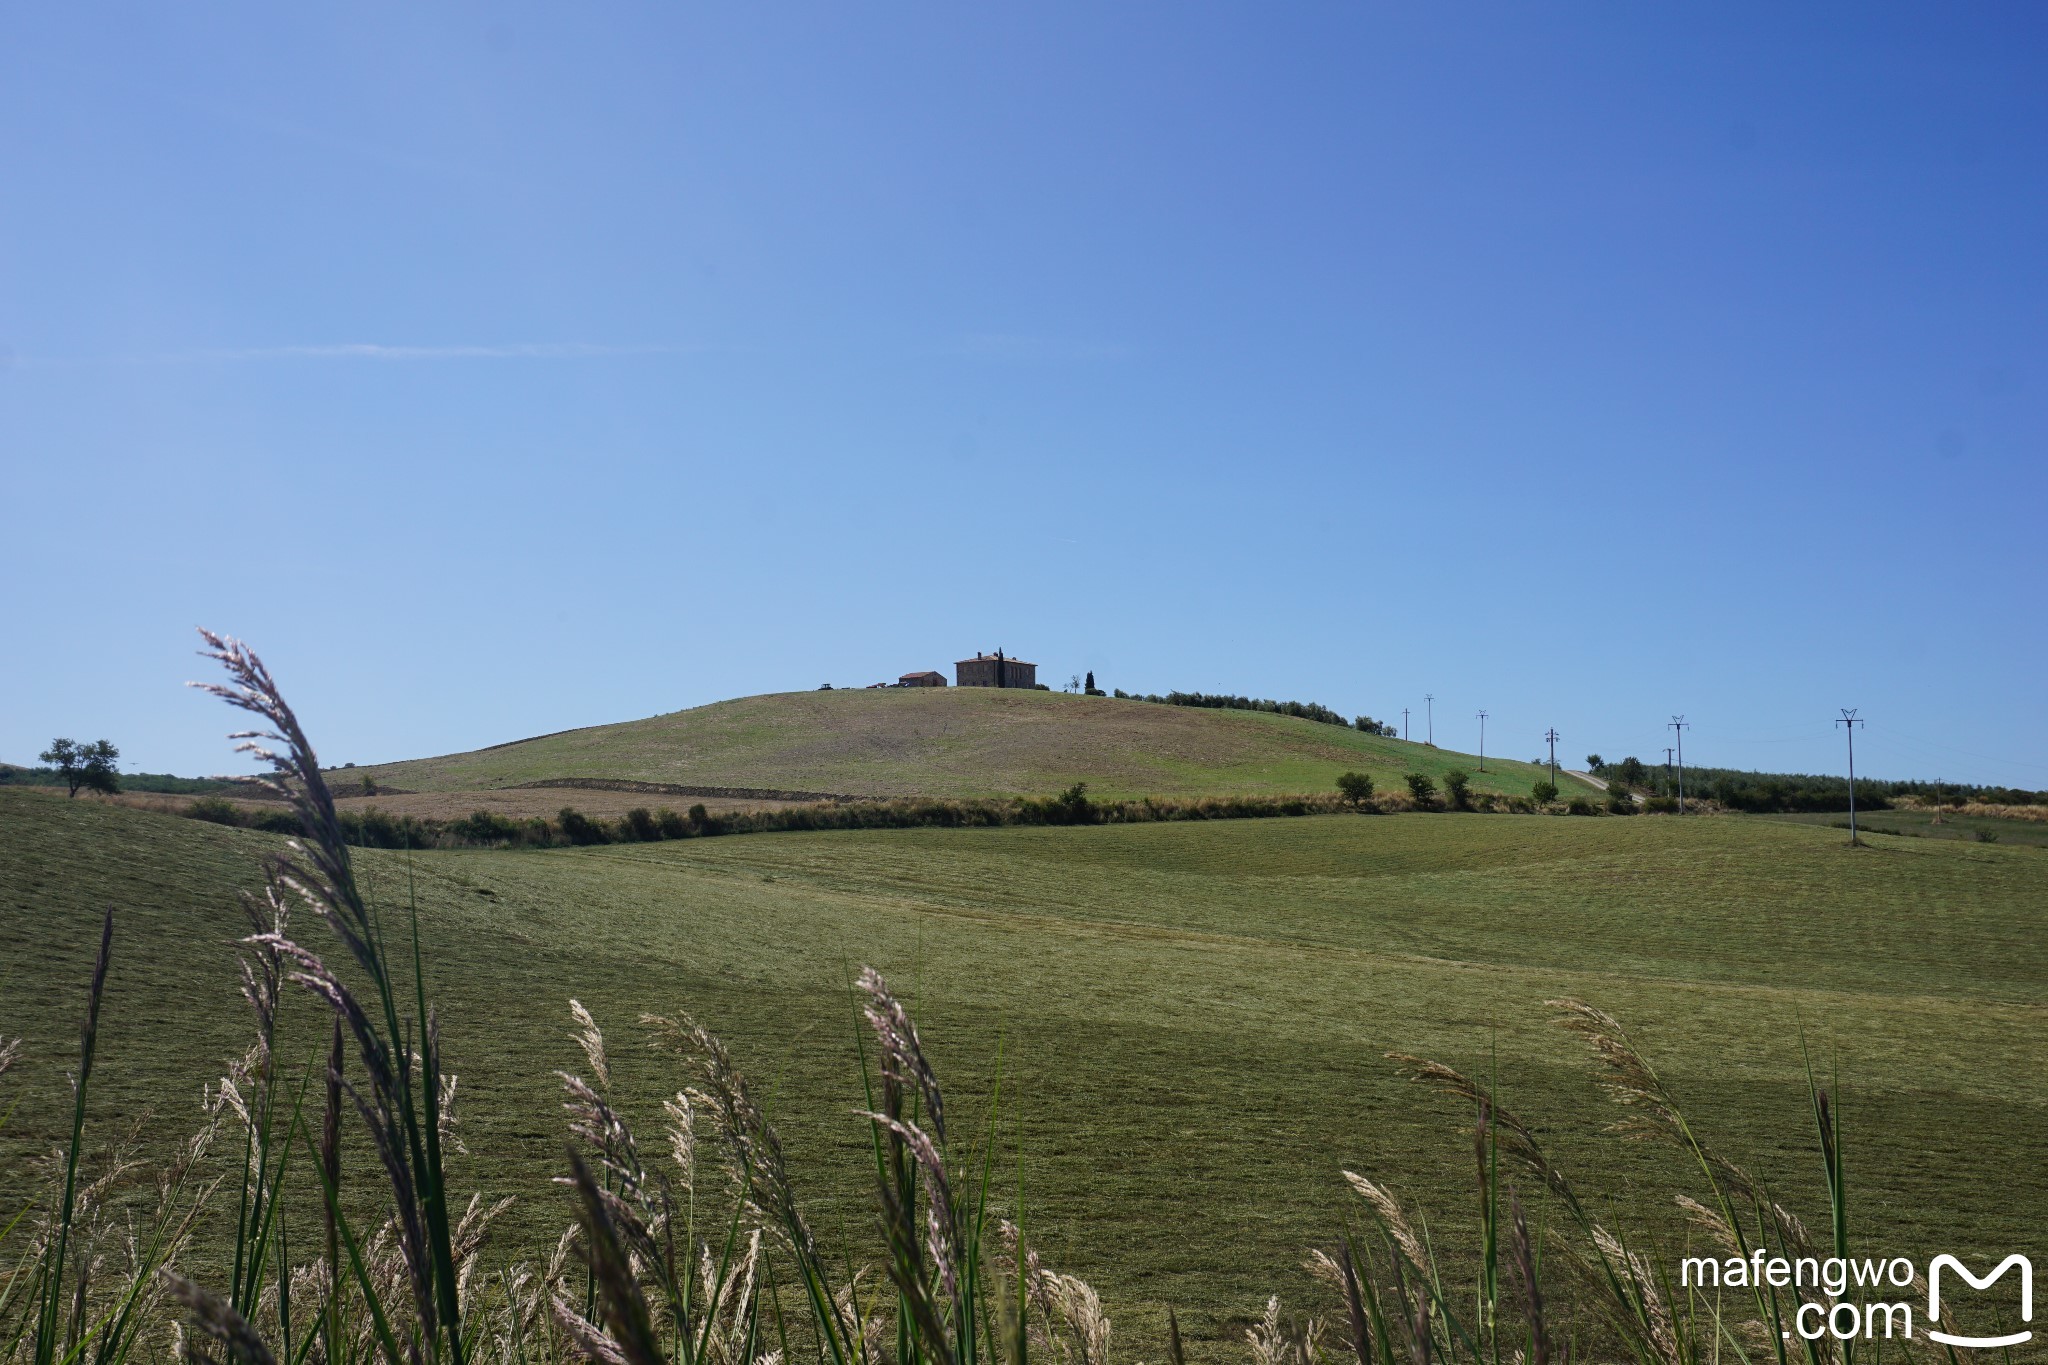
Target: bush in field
column 579, row 828
column 215, row 810
column 639, row 827
column 1661, row 805
column 1458, row 786
column 286, row 822
column 1619, row 802
column 670, row 825
column 1355, row 788
column 1070, row 807
column 1545, row 791
column 1423, row 788
column 486, row 827
column 1580, row 806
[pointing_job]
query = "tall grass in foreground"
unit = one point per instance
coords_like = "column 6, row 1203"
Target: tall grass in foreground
column 669, row 1257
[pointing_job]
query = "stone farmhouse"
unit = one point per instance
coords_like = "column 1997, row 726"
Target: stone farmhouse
column 995, row 670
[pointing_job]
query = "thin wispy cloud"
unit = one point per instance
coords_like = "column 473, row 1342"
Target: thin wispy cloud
column 370, row 350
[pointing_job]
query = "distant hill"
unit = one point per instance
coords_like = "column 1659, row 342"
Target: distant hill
column 14, row 775
column 952, row 742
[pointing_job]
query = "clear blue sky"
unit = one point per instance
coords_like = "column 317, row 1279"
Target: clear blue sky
column 501, row 369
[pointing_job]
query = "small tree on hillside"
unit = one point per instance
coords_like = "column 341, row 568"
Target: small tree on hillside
column 1355, row 788
column 1458, row 786
column 85, row 765
column 1422, row 788
column 1594, row 763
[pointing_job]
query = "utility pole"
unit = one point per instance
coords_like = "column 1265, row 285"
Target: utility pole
column 1482, row 741
column 1849, row 722
column 1552, row 736
column 1430, row 699
column 1679, row 727
column 1404, row 722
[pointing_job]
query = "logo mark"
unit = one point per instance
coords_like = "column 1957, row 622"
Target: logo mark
column 2026, row 1298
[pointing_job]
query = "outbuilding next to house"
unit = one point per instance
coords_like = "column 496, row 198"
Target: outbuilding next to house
column 930, row 677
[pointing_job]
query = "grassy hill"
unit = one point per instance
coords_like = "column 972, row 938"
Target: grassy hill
column 955, row 742
column 1190, row 1018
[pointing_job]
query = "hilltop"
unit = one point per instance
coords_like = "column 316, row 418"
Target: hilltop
column 953, row 742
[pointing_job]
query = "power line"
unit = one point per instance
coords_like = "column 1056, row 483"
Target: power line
column 1678, row 727
column 1430, row 698
column 1849, row 723
column 1404, row 722
column 1552, row 735
column 1482, row 741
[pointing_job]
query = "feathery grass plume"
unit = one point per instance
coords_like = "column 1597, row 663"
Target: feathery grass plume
column 1063, row 1315
column 212, row 1320
column 1393, row 1219
column 629, row 1334
column 590, row 1038
column 754, row 1160
column 682, row 1140
column 1354, row 1305
column 1524, row 1254
column 1269, row 1342
column 941, row 1321
column 401, row 1111
column 1633, row 1083
column 1507, row 1129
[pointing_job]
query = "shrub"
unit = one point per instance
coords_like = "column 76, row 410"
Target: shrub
column 1619, row 802
column 1458, row 785
column 215, row 809
column 670, row 824
column 579, row 828
column 1580, row 806
column 277, row 822
column 484, row 827
column 1070, row 807
column 639, row 826
column 1355, row 788
column 1422, row 788
column 373, row 828
column 1661, row 805
column 1544, row 791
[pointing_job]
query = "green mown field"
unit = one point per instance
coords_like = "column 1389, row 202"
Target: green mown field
column 1190, row 1019
column 957, row 742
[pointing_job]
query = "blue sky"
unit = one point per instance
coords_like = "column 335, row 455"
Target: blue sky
column 501, row 369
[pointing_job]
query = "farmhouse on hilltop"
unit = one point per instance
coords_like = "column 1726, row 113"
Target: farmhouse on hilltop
column 930, row 677
column 995, row 670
